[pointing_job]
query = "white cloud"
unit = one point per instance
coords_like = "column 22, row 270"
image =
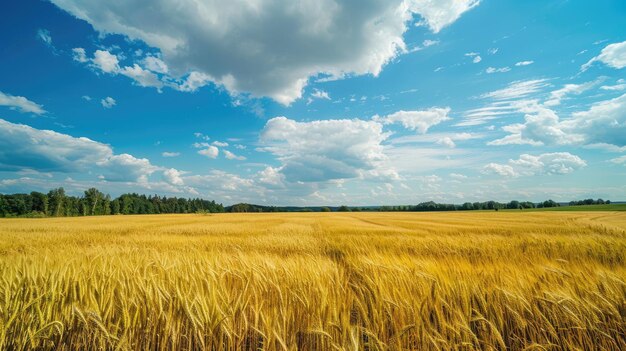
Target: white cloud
column 24, row 147
column 613, row 55
column 528, row 165
column 621, row 85
column 569, row 89
column 155, row 64
column 210, row 151
column 231, row 156
column 235, row 46
column 619, row 160
column 141, row 76
column 503, row 170
column 109, row 63
column 441, row 13
column 108, row 102
column 524, row 63
column 170, row 154
column 271, row 176
column 446, row 139
column 220, row 143
column 491, row 70
column 173, row 176
column 201, row 136
column 427, row 43
column 447, row 142
column 326, row 149
column 319, row 94
column 603, row 123
column 514, row 98
column 126, row 168
column 475, row 57
column 21, row 104
column 419, row 121
column 44, row 36
column 518, row 89
column 106, row 61
column 79, row 55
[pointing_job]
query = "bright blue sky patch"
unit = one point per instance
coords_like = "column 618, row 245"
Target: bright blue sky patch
column 316, row 102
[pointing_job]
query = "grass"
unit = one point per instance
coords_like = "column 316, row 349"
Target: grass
column 334, row 281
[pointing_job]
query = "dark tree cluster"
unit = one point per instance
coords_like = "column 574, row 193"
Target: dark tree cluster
column 590, row 202
column 94, row 203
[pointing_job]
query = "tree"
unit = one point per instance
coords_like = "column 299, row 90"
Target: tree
column 94, row 202
column 344, row 208
column 325, row 209
column 56, row 199
column 513, row 205
column 39, row 202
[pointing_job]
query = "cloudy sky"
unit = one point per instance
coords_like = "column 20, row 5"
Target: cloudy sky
column 316, row 101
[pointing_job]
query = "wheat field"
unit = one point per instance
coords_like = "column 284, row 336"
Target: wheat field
column 314, row 281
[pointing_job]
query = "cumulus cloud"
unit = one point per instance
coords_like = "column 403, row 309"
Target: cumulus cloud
column 438, row 14
column 210, row 151
column 613, row 55
column 141, row 76
column 106, row 61
column 603, row 123
column 447, row 142
column 108, row 102
column 419, row 121
column 24, row 147
column 79, row 54
column 170, row 154
column 231, row 156
column 21, row 104
column 236, row 46
column 528, row 165
column 173, row 176
column 503, row 170
column 155, row 64
column 324, row 150
column 126, row 168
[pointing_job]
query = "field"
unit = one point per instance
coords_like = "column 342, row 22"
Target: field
column 335, row 281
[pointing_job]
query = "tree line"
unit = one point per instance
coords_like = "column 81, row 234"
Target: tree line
column 590, row 202
column 56, row 203
column 93, row 203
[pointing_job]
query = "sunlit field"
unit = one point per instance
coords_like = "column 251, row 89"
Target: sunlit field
column 334, row 281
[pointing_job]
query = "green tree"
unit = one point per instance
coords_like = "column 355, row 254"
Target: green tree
column 56, row 199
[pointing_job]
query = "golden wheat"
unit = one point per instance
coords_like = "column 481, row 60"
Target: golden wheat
column 335, row 281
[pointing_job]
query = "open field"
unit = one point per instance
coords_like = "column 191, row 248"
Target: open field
column 314, row 281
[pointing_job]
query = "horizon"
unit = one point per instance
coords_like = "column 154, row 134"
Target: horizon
column 388, row 102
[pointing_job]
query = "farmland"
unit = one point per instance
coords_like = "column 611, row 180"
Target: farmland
column 316, row 281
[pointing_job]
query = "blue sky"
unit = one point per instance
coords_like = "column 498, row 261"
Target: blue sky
column 315, row 102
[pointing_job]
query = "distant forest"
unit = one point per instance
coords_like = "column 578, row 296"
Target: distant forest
column 94, row 203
